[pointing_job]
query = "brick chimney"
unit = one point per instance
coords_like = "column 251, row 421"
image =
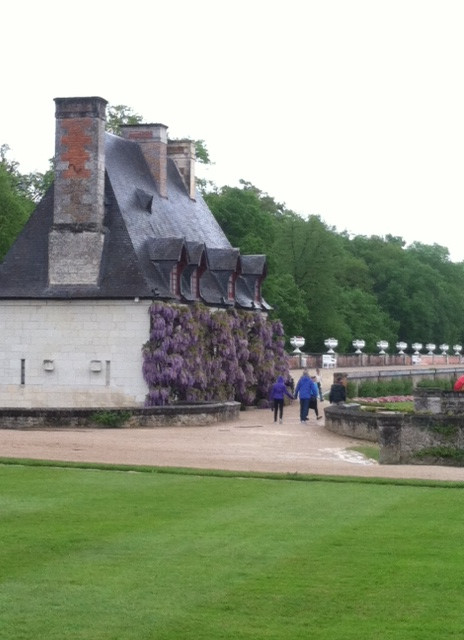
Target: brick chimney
column 76, row 238
column 183, row 154
column 153, row 139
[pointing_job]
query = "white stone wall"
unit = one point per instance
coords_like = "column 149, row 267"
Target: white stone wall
column 72, row 353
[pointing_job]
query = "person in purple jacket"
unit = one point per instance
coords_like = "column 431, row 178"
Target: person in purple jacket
column 278, row 391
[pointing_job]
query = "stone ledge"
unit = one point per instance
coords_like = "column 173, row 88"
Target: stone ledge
column 140, row 417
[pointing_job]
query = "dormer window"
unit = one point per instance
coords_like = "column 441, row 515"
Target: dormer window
column 257, row 297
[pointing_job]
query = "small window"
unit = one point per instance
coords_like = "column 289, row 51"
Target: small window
column 174, row 284
column 194, row 284
column 231, row 287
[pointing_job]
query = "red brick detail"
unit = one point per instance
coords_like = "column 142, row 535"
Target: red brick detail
column 139, row 135
column 76, row 140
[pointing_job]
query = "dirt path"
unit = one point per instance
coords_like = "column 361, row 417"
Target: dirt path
column 253, row 443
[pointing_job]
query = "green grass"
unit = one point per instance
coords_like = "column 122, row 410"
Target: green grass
column 368, row 451
column 107, row 554
column 403, row 407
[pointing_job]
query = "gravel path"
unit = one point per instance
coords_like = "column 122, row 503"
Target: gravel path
column 253, row 443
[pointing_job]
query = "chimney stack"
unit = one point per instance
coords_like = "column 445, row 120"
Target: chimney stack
column 153, row 140
column 183, row 154
column 76, row 238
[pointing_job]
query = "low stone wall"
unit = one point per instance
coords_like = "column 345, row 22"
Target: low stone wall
column 352, row 422
column 128, row 417
column 438, row 401
column 419, row 438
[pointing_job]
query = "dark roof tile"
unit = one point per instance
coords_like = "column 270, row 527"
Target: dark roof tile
column 144, row 234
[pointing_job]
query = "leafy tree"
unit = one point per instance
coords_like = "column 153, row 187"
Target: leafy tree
column 243, row 218
column 434, row 254
column 201, row 152
column 119, row 114
column 366, row 319
column 417, row 287
column 31, row 186
column 287, row 301
column 15, row 209
column 312, row 254
column 35, row 185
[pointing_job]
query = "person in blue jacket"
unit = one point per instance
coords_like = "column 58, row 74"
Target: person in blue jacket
column 305, row 389
column 278, row 391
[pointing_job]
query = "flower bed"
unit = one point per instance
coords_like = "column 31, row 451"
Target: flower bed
column 384, row 399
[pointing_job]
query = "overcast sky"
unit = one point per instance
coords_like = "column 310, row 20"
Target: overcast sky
column 352, row 110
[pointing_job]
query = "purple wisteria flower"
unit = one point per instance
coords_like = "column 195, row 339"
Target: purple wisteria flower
column 195, row 354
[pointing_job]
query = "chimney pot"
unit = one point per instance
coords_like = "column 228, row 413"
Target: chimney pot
column 153, row 139
column 183, row 154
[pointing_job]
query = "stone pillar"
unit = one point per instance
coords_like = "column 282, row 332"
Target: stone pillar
column 390, row 428
column 76, row 238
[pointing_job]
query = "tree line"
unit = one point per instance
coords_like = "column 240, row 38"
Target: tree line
column 321, row 283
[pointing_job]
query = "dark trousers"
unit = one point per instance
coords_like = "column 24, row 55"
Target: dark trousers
column 313, row 405
column 278, row 406
column 304, row 408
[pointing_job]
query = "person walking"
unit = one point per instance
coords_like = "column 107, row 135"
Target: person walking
column 313, row 399
column 305, row 389
column 319, row 384
column 337, row 391
column 278, row 391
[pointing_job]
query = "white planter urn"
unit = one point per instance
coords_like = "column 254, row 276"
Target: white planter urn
column 331, row 344
column 359, row 345
column 401, row 346
column 297, row 342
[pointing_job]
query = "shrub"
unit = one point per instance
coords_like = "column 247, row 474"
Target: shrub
column 445, row 384
column 111, row 419
column 371, row 389
column 379, row 388
column 351, row 389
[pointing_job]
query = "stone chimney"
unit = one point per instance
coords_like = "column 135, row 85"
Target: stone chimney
column 76, row 237
column 153, row 140
column 183, row 154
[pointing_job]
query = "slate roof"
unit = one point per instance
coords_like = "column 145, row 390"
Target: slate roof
column 145, row 235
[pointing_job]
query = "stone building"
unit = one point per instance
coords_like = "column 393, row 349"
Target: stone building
column 121, row 227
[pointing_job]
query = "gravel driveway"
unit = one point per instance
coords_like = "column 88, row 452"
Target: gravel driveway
column 253, row 443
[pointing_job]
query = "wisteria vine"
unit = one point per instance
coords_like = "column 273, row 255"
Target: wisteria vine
column 197, row 355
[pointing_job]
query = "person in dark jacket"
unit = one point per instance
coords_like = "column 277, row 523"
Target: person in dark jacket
column 306, row 389
column 337, row 392
column 278, row 391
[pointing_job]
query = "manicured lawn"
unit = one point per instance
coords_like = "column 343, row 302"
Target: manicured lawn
column 106, row 554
